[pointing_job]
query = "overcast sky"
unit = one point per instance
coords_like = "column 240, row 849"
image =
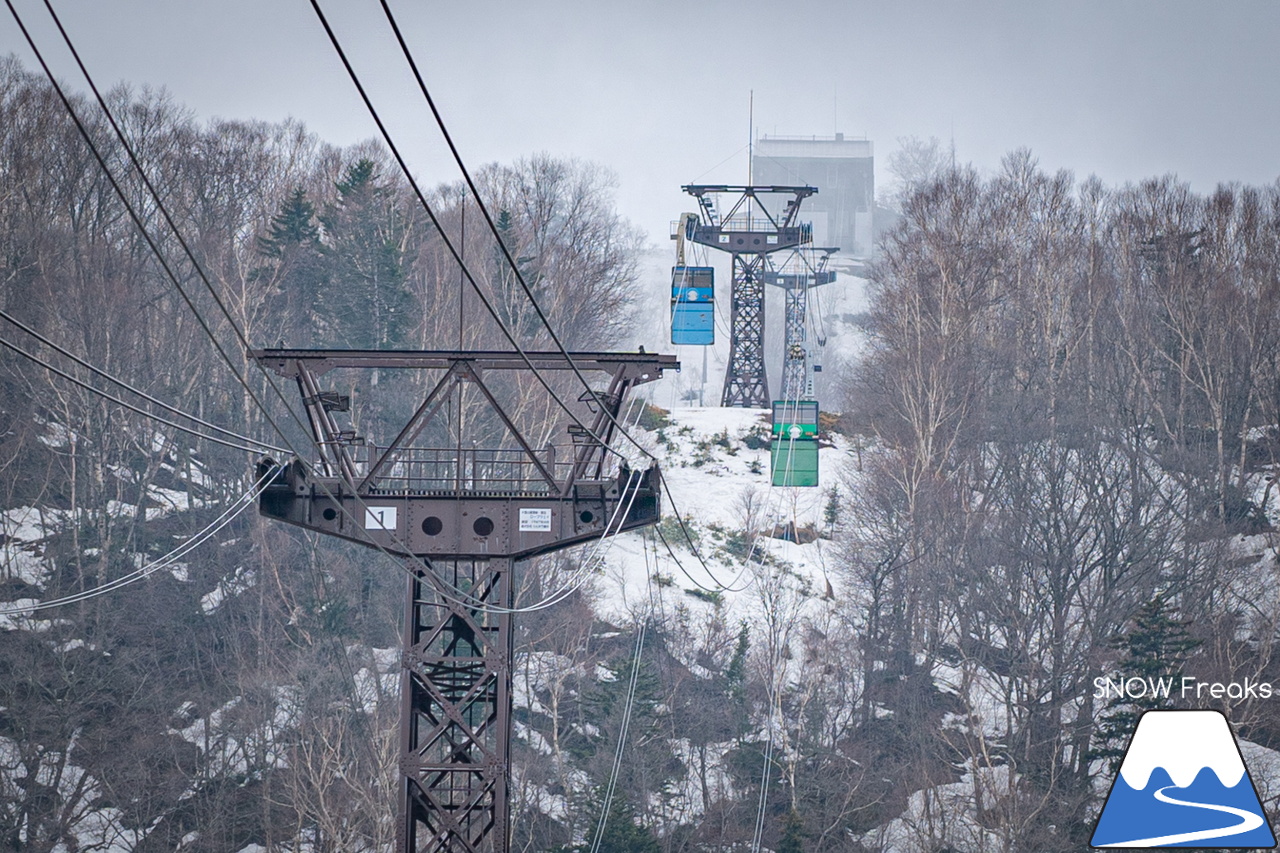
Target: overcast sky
column 658, row 91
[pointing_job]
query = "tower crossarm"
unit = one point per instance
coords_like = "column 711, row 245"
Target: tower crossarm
column 753, row 223
column 621, row 371
column 640, row 367
column 541, row 495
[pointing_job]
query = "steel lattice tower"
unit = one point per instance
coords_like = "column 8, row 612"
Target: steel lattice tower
column 460, row 516
column 749, row 231
column 796, row 276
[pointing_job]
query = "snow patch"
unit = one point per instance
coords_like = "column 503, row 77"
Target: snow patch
column 56, row 436
column 945, row 816
column 16, row 614
column 120, row 509
column 169, row 500
column 387, row 660
column 532, row 736
column 24, row 523
column 227, row 587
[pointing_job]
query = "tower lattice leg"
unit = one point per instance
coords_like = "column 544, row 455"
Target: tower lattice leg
column 794, row 356
column 745, row 382
column 455, row 717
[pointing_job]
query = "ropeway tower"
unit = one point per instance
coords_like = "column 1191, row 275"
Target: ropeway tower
column 750, row 223
column 460, row 516
column 803, row 270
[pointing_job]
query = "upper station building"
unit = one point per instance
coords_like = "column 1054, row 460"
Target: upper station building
column 843, row 170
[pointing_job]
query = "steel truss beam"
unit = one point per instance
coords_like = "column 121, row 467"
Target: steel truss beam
column 795, row 356
column 805, row 268
column 456, row 709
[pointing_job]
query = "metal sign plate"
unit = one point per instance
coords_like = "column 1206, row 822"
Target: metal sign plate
column 535, row 519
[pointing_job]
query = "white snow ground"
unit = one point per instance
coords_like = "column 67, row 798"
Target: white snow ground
column 712, row 486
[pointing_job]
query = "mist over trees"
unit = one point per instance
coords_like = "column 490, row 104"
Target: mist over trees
column 1068, row 415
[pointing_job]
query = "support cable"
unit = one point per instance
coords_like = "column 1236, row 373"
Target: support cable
column 196, row 266
column 684, row 528
column 773, row 694
column 718, row 588
column 167, row 268
column 718, row 165
column 257, row 448
column 240, row 504
column 453, row 250
column 484, row 211
column 132, row 211
column 181, row 240
column 757, row 834
column 144, row 395
column 624, row 729
column 156, row 249
column 164, row 263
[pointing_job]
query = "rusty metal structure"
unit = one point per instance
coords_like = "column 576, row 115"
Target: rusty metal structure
column 750, row 223
column 461, row 516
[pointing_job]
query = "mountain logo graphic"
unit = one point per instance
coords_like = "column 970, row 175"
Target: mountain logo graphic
column 1183, row 783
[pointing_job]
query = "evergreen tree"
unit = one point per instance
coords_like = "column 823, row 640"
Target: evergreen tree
column 291, row 227
column 365, row 302
column 293, row 242
column 1156, row 647
column 792, row 834
column 736, row 676
column 831, row 510
column 622, row 834
column 514, row 306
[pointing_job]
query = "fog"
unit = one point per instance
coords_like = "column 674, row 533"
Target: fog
column 659, row 91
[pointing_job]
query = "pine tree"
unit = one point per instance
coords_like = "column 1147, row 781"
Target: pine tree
column 792, row 834
column 1157, row 646
column 365, row 301
column 736, row 675
column 293, row 242
column 291, row 227
column 831, row 510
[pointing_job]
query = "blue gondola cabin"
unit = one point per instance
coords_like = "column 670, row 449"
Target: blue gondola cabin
column 693, row 306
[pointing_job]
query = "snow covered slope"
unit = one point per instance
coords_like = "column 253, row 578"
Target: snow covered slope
column 716, row 465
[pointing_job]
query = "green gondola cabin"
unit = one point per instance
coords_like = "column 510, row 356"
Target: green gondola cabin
column 793, row 448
